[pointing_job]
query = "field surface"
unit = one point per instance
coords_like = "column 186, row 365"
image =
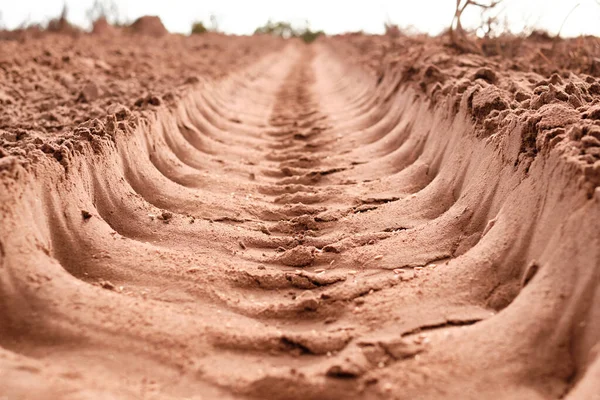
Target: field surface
column 365, row 217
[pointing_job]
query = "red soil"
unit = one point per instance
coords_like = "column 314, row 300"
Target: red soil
column 234, row 217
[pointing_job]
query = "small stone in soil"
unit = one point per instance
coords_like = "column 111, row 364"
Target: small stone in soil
column 107, row 285
column 165, row 216
column 85, row 214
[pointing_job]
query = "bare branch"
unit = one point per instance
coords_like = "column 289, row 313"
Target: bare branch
column 458, row 36
column 491, row 5
column 566, row 18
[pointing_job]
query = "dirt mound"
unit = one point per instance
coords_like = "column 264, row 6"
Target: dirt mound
column 102, row 27
column 365, row 217
column 149, row 25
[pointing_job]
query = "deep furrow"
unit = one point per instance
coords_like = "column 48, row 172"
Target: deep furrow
column 300, row 228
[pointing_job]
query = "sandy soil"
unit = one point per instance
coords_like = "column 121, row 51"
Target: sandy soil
column 230, row 217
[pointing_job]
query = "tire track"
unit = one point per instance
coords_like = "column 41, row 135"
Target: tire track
column 297, row 229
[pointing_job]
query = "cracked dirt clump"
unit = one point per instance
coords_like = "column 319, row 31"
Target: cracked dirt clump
column 299, row 256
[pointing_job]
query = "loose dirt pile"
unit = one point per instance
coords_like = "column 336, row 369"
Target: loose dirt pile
column 234, row 217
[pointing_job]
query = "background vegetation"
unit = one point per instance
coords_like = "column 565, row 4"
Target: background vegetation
column 286, row 30
column 199, row 27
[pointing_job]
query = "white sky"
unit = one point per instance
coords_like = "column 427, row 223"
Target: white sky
column 332, row 16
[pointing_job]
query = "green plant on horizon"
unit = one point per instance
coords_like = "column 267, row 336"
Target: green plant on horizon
column 198, row 28
column 286, row 31
column 309, row 36
column 281, row 29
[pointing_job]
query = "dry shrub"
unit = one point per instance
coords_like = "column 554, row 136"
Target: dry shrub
column 61, row 24
column 30, row 30
column 392, row 30
column 458, row 36
column 104, row 10
column 506, row 45
column 581, row 54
